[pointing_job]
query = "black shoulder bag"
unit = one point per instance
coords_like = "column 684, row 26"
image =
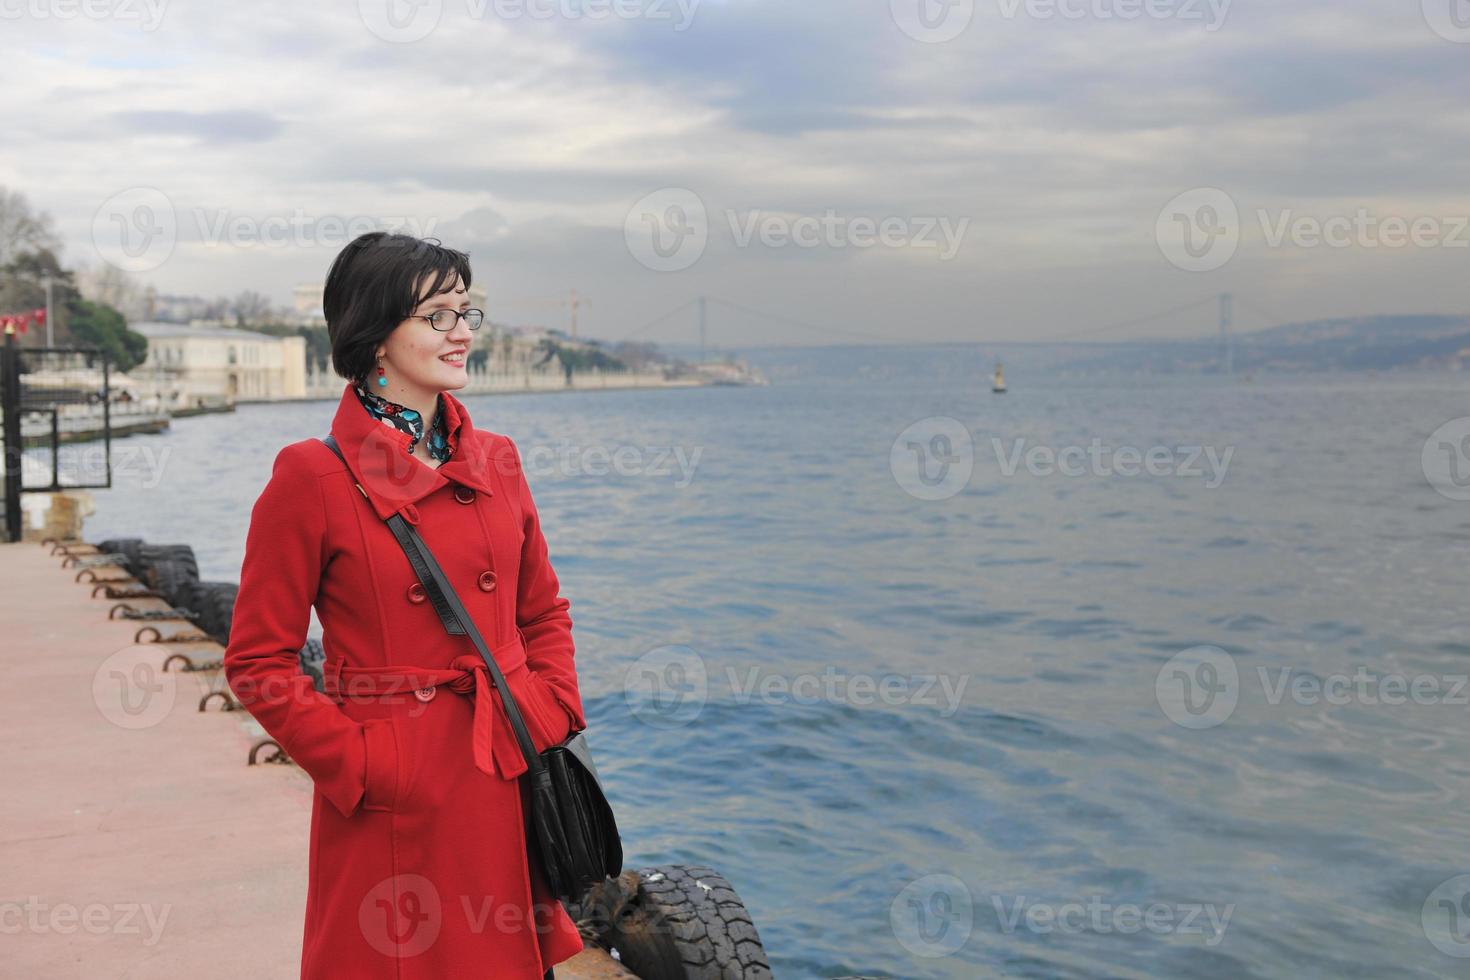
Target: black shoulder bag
column 572, row 826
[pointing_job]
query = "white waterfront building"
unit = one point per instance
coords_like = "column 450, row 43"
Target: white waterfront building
column 195, row 366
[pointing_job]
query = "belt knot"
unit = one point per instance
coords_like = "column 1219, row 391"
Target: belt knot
column 490, row 741
column 473, row 673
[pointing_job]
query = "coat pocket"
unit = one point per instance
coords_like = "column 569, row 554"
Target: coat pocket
column 547, row 721
column 558, row 719
column 380, row 782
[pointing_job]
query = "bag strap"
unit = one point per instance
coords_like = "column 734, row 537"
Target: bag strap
column 455, row 618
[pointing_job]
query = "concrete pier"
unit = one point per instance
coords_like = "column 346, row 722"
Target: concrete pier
column 134, row 840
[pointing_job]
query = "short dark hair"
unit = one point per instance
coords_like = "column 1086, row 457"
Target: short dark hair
column 370, row 290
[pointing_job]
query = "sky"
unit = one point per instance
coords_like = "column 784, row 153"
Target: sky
column 823, row 171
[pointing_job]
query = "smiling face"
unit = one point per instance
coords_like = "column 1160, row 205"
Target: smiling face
column 423, row 360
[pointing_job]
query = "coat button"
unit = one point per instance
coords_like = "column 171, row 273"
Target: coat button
column 417, row 593
column 426, row 694
column 465, row 495
column 487, row 581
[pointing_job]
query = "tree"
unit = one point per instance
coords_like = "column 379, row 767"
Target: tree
column 638, row 355
column 577, row 358
column 22, row 288
column 251, row 308
column 95, row 325
column 28, row 258
column 318, row 342
column 22, row 229
column 111, row 286
column 21, row 280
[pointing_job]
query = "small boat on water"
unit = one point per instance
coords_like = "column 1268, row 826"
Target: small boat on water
column 999, row 385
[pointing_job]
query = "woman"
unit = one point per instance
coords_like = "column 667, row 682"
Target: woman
column 418, row 865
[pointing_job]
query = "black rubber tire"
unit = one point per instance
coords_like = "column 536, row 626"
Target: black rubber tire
column 129, row 549
column 174, row 580
column 219, row 611
column 687, row 923
column 312, row 658
column 151, row 554
column 192, row 598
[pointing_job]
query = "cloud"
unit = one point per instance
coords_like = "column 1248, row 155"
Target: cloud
column 227, row 126
column 527, row 140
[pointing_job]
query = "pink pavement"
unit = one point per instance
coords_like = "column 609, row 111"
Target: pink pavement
column 135, row 843
column 151, row 852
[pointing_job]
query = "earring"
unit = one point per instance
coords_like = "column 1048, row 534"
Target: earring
column 382, row 381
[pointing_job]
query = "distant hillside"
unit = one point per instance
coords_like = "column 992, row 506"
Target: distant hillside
column 1379, row 343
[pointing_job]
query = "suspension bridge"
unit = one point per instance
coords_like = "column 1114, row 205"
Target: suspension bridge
column 1224, row 304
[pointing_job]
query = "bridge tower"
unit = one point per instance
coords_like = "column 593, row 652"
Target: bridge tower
column 1227, row 347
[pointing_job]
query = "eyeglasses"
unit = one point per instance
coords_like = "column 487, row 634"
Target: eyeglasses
column 446, row 320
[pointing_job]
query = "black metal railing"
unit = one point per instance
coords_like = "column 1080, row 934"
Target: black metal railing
column 50, row 396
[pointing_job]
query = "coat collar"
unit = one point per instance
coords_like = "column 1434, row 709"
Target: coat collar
column 442, row 421
column 378, row 459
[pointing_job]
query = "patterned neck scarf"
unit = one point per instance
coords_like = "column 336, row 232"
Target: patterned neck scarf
column 408, row 420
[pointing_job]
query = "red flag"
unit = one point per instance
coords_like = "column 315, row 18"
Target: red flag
column 39, row 315
column 22, row 320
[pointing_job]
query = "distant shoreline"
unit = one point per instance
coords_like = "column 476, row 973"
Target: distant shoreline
column 506, row 391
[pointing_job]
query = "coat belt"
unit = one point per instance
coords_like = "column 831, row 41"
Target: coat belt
column 492, row 736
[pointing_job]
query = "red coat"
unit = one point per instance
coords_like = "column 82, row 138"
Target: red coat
column 418, row 857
